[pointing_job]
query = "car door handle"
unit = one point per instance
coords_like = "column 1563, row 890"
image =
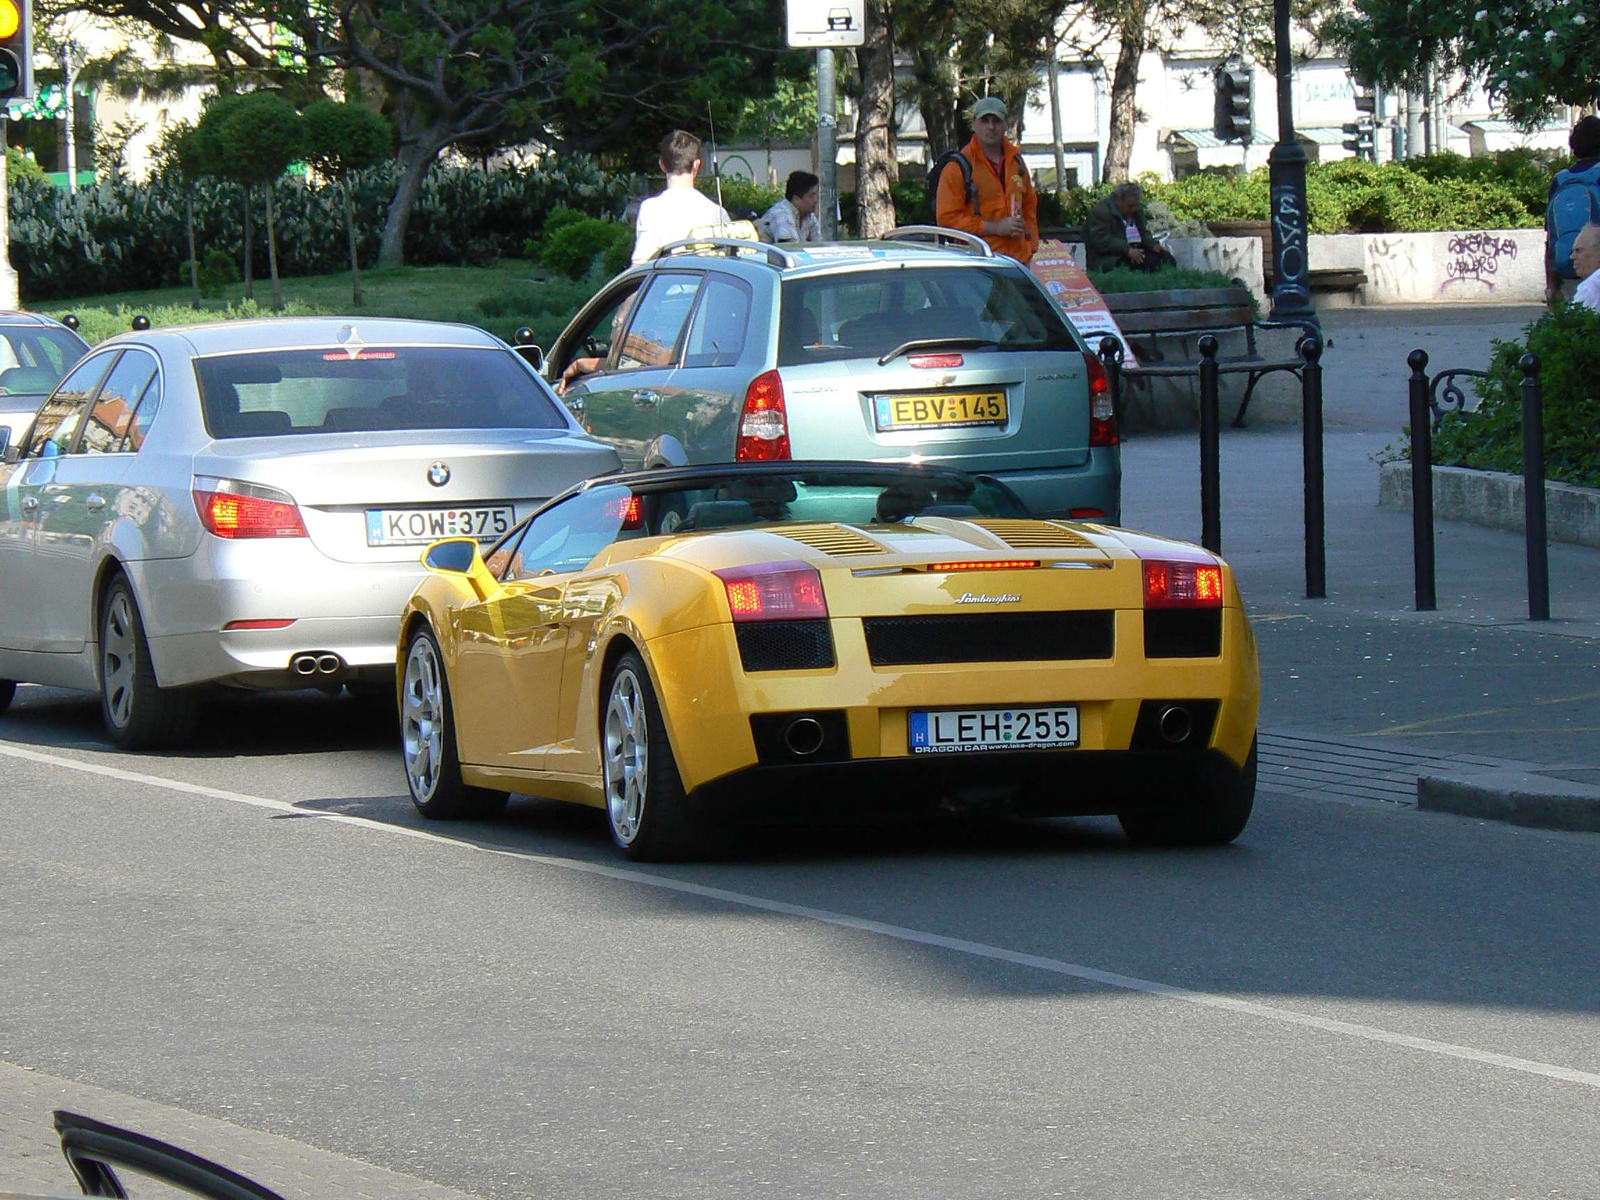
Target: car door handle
column 647, row 396
column 30, row 504
column 94, row 502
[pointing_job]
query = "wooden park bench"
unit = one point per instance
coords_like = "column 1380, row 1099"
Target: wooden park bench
column 1164, row 330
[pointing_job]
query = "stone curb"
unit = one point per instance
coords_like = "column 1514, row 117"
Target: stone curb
column 1494, row 500
column 1516, row 797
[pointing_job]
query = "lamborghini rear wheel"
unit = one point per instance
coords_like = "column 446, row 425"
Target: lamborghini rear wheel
column 1214, row 815
column 646, row 807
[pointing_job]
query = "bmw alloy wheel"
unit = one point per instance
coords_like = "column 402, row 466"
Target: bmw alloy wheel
column 422, row 719
column 627, row 756
column 119, row 650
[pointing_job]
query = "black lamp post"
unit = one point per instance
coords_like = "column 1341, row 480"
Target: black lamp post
column 1291, row 289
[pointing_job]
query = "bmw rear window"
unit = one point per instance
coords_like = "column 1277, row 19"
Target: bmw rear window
column 871, row 313
column 373, row 388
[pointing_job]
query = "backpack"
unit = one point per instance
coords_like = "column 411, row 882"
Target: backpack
column 936, row 173
column 1574, row 203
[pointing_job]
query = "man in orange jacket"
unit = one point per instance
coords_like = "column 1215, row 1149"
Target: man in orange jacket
column 1003, row 208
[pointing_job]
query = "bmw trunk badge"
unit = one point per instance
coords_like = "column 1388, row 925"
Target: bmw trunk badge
column 439, row 474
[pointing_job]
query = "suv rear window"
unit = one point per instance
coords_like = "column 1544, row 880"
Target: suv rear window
column 869, row 313
column 276, row 392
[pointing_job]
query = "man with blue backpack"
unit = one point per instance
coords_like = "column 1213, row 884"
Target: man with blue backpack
column 1574, row 203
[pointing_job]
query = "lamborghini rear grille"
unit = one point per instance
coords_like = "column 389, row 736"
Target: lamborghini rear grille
column 994, row 637
column 832, row 539
column 1028, row 535
column 785, row 645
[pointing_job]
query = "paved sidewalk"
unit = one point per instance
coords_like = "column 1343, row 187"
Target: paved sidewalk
column 1394, row 695
column 31, row 1160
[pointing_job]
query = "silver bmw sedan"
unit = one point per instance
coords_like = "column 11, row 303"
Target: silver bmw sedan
column 244, row 504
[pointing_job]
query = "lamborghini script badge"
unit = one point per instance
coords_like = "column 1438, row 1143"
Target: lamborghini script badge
column 985, row 598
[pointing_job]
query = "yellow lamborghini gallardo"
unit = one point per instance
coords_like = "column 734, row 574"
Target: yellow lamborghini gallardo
column 688, row 647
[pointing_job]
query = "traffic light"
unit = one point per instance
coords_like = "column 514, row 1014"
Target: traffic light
column 1360, row 136
column 16, row 50
column 1235, row 101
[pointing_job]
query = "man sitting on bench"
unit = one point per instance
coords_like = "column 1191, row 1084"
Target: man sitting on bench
column 1115, row 234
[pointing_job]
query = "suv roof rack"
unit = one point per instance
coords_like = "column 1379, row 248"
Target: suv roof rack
column 732, row 247
column 939, row 235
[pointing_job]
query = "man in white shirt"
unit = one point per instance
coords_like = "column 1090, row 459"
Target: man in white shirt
column 794, row 218
column 680, row 210
column 1586, row 261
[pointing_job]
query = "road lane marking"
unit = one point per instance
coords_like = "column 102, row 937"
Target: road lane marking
column 1391, row 730
column 1053, row 966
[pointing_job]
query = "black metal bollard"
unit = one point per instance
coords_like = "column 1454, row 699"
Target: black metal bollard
column 1422, row 482
column 71, row 321
column 141, row 323
column 1310, row 347
column 1533, row 523
column 1210, row 449
column 1111, row 360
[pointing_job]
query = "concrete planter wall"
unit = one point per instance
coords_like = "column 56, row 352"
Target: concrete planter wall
column 1468, row 266
column 1495, row 501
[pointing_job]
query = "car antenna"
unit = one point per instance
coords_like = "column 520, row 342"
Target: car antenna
column 716, row 171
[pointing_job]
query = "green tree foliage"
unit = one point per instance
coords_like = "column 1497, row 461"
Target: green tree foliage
column 1533, row 57
column 342, row 139
column 251, row 140
column 1567, row 342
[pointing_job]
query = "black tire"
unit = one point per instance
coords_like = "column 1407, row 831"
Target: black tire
column 649, row 821
column 8, row 689
column 139, row 714
column 1214, row 817
column 428, row 740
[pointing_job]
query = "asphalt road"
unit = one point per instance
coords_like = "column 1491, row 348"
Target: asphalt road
column 1352, row 1001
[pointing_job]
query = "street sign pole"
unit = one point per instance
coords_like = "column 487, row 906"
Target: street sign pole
column 827, row 145
column 823, row 25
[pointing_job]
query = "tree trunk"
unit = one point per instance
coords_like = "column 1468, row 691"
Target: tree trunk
column 876, row 169
column 350, row 228
column 194, row 261
column 1124, row 85
column 272, row 256
column 937, row 103
column 415, row 159
column 249, row 257
column 1056, row 142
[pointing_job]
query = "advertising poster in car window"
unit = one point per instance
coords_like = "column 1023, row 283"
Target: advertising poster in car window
column 1079, row 299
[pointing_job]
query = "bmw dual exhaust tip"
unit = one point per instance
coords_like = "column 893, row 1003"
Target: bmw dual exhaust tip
column 312, row 662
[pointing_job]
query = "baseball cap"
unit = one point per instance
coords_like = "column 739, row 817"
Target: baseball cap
column 989, row 106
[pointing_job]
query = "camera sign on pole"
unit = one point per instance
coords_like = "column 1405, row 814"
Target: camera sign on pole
column 816, row 23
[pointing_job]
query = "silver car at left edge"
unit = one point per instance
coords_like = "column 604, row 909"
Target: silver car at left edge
column 245, row 504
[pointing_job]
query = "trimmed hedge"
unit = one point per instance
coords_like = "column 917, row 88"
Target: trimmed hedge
column 123, row 236
column 1567, row 342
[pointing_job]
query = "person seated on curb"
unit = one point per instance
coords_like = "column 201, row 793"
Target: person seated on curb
column 1115, row 234
column 1586, row 261
column 794, row 218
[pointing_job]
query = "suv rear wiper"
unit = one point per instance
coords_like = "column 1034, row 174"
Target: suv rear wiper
column 949, row 343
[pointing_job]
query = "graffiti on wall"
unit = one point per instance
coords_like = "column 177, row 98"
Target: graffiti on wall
column 1474, row 259
column 1392, row 265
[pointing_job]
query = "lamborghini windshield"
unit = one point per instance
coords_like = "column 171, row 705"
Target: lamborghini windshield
column 569, row 533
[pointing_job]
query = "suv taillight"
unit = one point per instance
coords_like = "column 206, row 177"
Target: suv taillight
column 1102, row 413
column 764, row 424
column 1182, row 585
column 233, row 508
column 779, row 591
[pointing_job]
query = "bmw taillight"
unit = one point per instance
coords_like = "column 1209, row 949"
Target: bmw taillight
column 764, row 424
column 1182, row 584
column 233, row 508
column 1102, row 412
column 780, row 591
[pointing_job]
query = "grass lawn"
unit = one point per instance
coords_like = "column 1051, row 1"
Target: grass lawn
column 499, row 298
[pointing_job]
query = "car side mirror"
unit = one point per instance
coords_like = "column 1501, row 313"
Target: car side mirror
column 460, row 557
column 523, row 344
column 5, row 440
